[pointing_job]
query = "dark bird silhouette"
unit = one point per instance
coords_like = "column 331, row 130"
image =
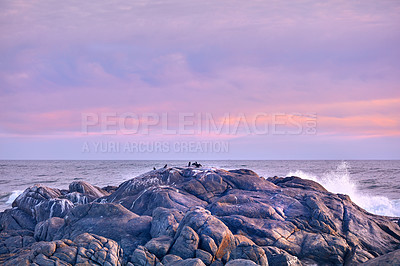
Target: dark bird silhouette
column 196, row 164
column 189, row 164
column 165, row 166
column 154, row 168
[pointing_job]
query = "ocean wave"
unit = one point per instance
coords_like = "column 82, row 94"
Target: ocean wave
column 339, row 181
column 13, row 196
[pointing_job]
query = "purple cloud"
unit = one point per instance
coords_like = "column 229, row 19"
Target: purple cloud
column 332, row 58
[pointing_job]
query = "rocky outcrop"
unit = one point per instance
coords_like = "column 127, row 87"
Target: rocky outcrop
column 16, row 219
column 12, row 241
column 250, row 252
column 47, row 230
column 165, row 222
column 391, row 258
column 85, row 249
column 195, row 216
column 277, row 256
column 108, row 220
column 241, row 262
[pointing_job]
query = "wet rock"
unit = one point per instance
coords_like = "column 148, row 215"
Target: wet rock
column 81, row 192
column 33, row 196
column 78, row 198
column 52, row 208
column 87, row 189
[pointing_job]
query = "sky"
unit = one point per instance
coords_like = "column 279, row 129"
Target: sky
column 148, row 79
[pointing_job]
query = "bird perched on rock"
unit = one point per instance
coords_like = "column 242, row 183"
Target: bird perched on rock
column 197, row 164
column 165, row 166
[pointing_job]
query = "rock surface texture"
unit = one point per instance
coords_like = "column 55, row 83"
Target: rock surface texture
column 195, row 216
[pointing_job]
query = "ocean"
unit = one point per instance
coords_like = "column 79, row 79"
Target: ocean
column 374, row 185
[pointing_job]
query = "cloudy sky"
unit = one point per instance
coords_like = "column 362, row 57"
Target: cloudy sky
column 336, row 60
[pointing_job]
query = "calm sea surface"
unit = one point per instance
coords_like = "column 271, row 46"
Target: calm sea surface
column 374, row 185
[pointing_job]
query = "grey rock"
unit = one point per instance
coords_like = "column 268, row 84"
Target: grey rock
column 81, row 192
column 249, row 252
column 165, row 222
column 170, row 259
column 297, row 182
column 391, row 258
column 85, row 249
column 142, row 257
column 217, row 263
column 146, row 202
column 239, row 202
column 159, row 246
column 277, row 256
column 52, row 208
column 46, row 230
column 245, row 179
column 189, row 262
column 109, row 220
column 243, row 239
column 13, row 241
column 203, row 223
column 16, row 219
column 87, row 189
column 205, row 185
column 186, row 243
column 241, row 262
column 78, row 198
column 33, row 196
column 205, row 257
column 208, row 244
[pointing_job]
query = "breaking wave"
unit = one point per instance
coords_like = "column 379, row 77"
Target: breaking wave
column 13, row 196
column 339, row 181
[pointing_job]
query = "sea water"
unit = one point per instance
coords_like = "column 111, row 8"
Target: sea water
column 373, row 185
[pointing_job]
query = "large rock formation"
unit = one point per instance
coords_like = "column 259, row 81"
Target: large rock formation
column 195, row 216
